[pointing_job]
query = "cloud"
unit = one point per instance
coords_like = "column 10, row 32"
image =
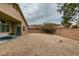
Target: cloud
column 39, row 13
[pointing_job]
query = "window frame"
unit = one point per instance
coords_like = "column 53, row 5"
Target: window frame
column 23, row 28
column 5, row 27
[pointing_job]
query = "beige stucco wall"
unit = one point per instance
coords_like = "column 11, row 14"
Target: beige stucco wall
column 70, row 33
column 8, row 9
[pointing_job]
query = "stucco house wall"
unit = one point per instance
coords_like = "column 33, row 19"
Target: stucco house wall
column 13, row 11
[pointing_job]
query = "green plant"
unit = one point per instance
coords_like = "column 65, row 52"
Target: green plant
column 69, row 12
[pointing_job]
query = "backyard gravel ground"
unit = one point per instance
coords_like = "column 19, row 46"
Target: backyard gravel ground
column 38, row 44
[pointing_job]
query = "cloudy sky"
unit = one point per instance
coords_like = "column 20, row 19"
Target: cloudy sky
column 39, row 13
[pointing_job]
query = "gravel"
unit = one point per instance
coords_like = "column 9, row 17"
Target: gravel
column 37, row 44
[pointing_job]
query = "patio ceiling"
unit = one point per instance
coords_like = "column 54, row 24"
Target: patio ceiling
column 6, row 17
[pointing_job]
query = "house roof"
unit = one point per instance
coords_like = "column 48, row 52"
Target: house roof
column 21, row 12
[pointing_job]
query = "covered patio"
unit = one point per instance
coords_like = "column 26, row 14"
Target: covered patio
column 9, row 25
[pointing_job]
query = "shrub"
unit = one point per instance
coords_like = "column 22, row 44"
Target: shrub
column 74, row 26
column 49, row 28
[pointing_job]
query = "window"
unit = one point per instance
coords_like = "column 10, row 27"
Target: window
column 36, row 28
column 23, row 28
column 7, row 28
column 4, row 27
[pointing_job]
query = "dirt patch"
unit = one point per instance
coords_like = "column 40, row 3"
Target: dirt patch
column 36, row 44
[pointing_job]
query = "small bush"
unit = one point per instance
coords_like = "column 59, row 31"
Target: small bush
column 49, row 28
column 74, row 26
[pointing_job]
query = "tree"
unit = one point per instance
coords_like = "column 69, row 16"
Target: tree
column 70, row 12
column 66, row 24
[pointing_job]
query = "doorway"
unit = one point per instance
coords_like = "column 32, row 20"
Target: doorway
column 18, row 31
